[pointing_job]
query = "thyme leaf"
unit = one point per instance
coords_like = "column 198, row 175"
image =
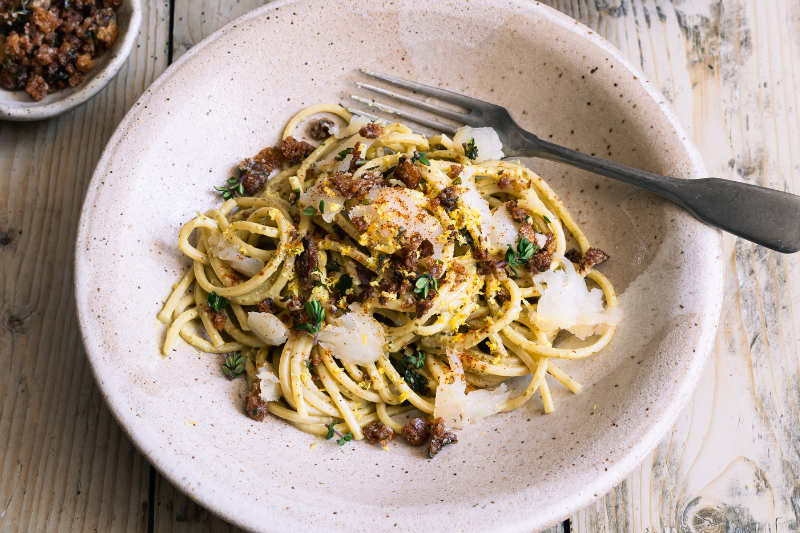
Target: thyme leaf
column 424, row 284
column 525, row 250
column 419, row 157
column 470, row 150
column 344, row 153
column 345, row 282
column 216, row 302
column 416, row 381
column 343, row 440
column 317, row 313
column 415, row 361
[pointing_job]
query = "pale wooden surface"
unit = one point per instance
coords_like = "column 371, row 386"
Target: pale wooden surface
column 731, row 68
column 65, row 465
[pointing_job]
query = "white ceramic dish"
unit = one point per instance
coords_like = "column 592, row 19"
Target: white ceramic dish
column 19, row 106
column 230, row 96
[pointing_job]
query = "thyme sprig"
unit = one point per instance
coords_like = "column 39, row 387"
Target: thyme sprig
column 234, row 186
column 342, row 438
column 418, row 157
column 317, row 313
column 470, row 149
column 415, row 361
column 234, row 365
column 415, row 381
column 525, row 250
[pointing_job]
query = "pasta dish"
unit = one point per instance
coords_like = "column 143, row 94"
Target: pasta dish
column 382, row 271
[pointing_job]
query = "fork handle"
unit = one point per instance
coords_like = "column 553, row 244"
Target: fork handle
column 764, row 216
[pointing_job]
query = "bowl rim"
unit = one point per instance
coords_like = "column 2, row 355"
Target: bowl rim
column 92, row 87
column 592, row 491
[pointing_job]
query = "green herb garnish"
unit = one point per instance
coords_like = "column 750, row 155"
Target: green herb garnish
column 468, row 236
column 317, row 314
column 346, row 438
column 345, row 282
column 416, row 381
column 361, row 162
column 232, row 188
column 344, row 153
column 365, row 201
column 331, row 431
column 470, row 150
column 311, row 211
column 333, row 266
column 342, row 438
column 420, row 158
column 415, row 361
column 457, row 181
column 234, row 365
column 546, row 219
column 525, row 250
column 387, row 172
column 424, row 284
column 318, row 281
column 297, row 194
column 217, row 303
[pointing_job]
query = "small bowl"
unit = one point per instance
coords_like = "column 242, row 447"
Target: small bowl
column 19, row 106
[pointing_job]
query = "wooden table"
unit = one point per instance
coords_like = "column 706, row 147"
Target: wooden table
column 731, row 69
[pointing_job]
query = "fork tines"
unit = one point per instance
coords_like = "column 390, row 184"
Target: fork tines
column 445, row 96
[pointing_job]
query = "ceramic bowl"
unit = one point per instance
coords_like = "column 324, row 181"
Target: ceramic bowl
column 19, row 106
column 229, row 97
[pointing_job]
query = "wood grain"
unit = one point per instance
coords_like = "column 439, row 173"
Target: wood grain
column 65, row 464
column 730, row 463
column 731, row 69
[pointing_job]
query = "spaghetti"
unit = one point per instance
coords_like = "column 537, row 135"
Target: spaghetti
column 384, row 271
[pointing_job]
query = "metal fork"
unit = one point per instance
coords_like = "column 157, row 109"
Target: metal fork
column 764, row 216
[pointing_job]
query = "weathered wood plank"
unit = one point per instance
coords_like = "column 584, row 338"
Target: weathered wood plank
column 65, row 464
column 177, row 513
column 730, row 68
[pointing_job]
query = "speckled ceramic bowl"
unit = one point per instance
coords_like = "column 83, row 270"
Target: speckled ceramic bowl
column 19, row 106
column 231, row 96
